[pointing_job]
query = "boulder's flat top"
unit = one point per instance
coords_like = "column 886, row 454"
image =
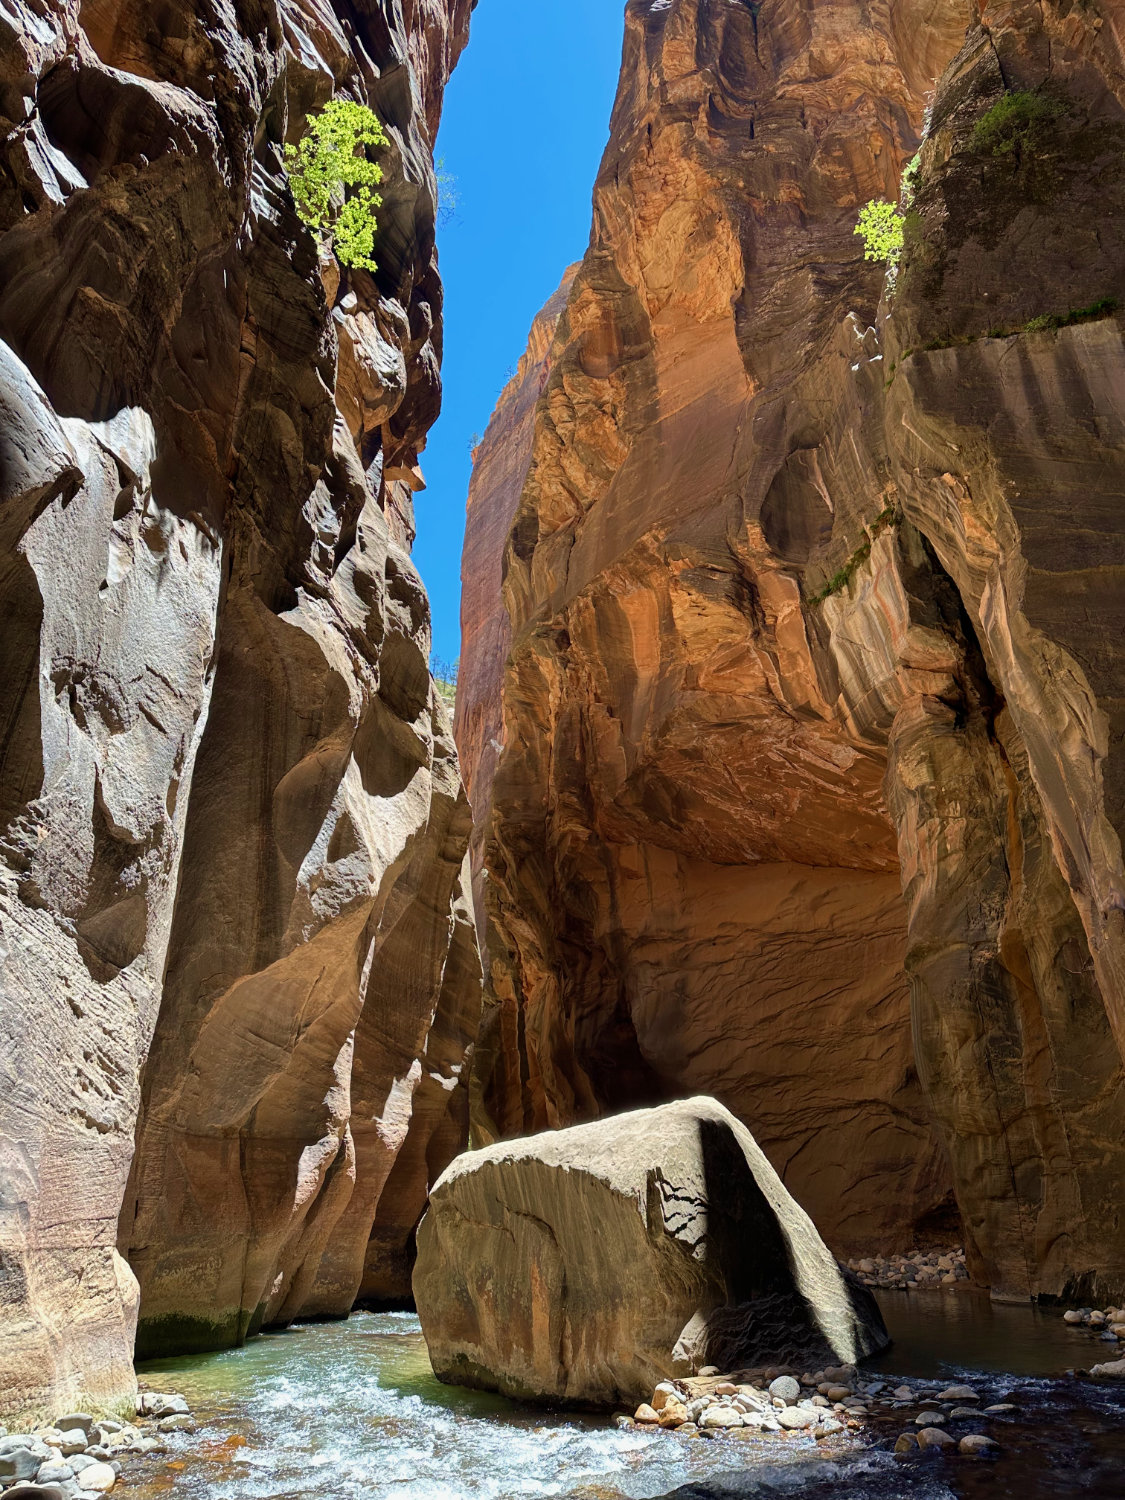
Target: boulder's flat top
column 623, row 1149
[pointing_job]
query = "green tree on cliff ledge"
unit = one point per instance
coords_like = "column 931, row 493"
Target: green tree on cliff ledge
column 334, row 184
column 881, row 226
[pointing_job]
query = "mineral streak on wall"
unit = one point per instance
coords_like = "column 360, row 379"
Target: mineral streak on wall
column 234, row 927
column 815, row 599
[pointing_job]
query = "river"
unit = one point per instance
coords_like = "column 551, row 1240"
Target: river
column 352, row 1411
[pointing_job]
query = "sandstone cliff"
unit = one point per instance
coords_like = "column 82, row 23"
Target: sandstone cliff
column 500, row 465
column 813, row 600
column 232, row 917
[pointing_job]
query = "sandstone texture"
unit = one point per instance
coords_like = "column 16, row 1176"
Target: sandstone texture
column 585, row 1265
column 234, row 921
column 813, row 591
column 500, row 466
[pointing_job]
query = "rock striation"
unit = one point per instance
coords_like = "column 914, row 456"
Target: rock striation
column 234, row 921
column 812, row 589
column 500, row 466
column 585, row 1265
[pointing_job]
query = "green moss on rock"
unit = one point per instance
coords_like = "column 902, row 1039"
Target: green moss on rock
column 175, row 1333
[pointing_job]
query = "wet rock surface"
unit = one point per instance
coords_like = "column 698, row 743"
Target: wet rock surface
column 77, row 1456
column 580, row 1265
column 231, row 821
column 1052, row 1439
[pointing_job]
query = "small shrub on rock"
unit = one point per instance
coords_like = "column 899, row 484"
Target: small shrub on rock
column 881, row 226
column 332, row 181
column 1015, row 122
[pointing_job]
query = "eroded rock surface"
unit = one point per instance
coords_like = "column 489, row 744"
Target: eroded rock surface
column 587, row 1264
column 233, row 918
column 813, row 599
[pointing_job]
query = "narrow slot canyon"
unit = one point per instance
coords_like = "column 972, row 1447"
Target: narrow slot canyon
column 669, row 1040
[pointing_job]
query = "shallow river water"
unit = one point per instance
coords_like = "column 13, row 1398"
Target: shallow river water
column 352, row 1411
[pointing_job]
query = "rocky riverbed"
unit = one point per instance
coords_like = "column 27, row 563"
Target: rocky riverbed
column 1108, row 1324
column 920, row 1268
column 352, row 1411
column 80, row 1457
column 826, row 1402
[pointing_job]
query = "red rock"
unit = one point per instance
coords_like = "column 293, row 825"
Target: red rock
column 804, row 609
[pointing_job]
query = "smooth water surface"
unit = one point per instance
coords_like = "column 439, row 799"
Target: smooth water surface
column 939, row 1333
column 352, row 1411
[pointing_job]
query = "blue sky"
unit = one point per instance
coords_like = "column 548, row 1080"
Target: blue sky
column 526, row 120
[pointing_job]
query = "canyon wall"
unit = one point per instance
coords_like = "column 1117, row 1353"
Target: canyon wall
column 500, row 465
column 812, row 588
column 235, row 925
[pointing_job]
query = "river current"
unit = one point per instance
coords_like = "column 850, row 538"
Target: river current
column 352, row 1411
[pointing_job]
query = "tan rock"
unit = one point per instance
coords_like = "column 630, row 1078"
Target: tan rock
column 976, row 1443
column 231, row 822
column 645, row 1413
column 99, row 1479
column 674, row 1414
column 720, row 1417
column 646, row 1295
column 935, row 1437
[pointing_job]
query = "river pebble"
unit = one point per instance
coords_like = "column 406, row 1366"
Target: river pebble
column 1107, row 1322
column 77, row 1456
column 934, row 1437
column 921, row 1268
column 784, row 1388
column 978, row 1442
column 824, row 1403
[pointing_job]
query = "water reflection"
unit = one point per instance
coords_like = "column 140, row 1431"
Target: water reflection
column 936, row 1333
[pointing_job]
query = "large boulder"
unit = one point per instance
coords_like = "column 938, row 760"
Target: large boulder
column 586, row 1265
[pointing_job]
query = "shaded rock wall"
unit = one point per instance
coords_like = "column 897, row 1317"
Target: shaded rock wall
column 721, row 767
column 233, row 920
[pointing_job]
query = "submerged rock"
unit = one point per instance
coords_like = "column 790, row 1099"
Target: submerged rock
column 589, row 1264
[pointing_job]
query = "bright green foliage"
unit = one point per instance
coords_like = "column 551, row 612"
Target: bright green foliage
column 1016, row 120
column 880, row 224
column 911, row 179
column 334, row 184
column 1105, row 308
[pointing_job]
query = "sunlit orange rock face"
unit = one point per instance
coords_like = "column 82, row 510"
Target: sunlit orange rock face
column 807, row 613
column 238, row 970
column 500, row 465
